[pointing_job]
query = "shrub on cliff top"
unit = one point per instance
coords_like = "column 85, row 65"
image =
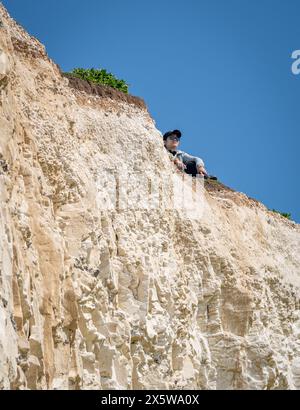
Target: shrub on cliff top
column 285, row 214
column 100, row 77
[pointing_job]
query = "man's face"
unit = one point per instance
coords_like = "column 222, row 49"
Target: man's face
column 172, row 142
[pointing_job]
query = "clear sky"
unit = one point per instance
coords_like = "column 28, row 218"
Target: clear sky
column 220, row 71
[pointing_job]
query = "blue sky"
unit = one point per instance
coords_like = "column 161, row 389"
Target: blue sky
column 220, row 71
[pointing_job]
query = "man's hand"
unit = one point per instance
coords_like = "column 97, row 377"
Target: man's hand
column 201, row 170
column 179, row 164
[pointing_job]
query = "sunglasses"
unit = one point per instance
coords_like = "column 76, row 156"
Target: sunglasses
column 174, row 138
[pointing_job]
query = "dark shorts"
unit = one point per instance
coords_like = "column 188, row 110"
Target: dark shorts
column 191, row 168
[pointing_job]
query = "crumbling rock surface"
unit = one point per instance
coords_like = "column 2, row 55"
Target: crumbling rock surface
column 98, row 295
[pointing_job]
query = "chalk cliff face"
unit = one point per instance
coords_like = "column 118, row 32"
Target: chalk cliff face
column 109, row 281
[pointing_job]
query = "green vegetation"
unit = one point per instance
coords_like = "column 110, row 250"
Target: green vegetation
column 286, row 215
column 100, row 77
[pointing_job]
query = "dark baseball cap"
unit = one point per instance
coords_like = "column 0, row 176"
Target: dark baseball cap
column 167, row 134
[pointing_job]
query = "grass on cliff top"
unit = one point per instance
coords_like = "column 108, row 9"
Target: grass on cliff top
column 102, row 77
column 285, row 214
column 217, row 185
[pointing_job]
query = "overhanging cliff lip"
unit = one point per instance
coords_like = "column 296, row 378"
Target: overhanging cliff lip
column 219, row 190
column 103, row 91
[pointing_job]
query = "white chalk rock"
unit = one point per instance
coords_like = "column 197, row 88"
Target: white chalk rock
column 4, row 65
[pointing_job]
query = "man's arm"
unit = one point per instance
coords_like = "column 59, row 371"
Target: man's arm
column 187, row 157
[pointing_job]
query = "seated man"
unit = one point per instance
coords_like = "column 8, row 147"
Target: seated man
column 188, row 163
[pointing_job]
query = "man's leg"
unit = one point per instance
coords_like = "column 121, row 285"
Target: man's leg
column 191, row 168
